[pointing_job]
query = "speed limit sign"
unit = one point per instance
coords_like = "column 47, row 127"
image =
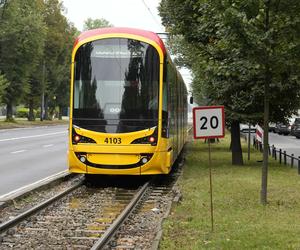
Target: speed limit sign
column 209, row 122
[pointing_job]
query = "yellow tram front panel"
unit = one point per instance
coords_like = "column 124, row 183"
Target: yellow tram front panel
column 125, row 158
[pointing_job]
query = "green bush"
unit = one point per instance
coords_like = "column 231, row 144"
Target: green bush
column 22, row 112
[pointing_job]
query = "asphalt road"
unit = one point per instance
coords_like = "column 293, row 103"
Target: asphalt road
column 31, row 154
column 287, row 143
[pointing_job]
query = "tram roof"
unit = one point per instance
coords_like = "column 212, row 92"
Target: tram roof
column 115, row 30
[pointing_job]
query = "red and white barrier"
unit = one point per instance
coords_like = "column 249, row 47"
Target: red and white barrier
column 259, row 133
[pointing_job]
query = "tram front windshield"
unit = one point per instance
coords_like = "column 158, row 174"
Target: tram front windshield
column 116, row 86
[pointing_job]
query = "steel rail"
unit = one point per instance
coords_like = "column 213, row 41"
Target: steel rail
column 10, row 223
column 35, row 185
column 120, row 219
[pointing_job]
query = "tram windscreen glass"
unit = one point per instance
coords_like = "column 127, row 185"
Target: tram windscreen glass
column 116, row 86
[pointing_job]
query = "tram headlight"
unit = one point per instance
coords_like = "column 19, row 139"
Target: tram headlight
column 144, row 160
column 82, row 159
column 151, row 139
column 76, row 138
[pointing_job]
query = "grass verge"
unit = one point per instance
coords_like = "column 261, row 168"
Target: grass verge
column 240, row 221
column 23, row 123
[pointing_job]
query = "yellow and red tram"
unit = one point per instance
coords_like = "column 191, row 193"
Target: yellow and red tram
column 128, row 107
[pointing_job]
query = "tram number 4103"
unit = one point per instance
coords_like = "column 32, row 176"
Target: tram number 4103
column 213, row 122
column 114, row 140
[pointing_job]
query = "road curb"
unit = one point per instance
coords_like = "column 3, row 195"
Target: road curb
column 25, row 189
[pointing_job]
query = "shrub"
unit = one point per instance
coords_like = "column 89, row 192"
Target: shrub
column 22, row 112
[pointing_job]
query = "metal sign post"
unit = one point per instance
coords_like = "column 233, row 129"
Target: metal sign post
column 210, row 188
column 209, row 122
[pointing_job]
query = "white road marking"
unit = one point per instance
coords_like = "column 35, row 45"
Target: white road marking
column 19, row 151
column 4, row 130
column 32, row 136
column 48, row 145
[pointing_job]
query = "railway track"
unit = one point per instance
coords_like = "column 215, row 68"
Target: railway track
column 142, row 229
column 22, row 216
column 92, row 217
column 81, row 217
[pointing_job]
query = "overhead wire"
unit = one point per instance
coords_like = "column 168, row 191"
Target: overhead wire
column 153, row 16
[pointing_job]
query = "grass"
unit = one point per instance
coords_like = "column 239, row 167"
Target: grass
column 240, row 221
column 21, row 123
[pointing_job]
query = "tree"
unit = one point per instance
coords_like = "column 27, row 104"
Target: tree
column 63, row 88
column 245, row 55
column 90, row 24
column 36, row 78
column 33, row 98
column 59, row 41
column 3, row 85
column 35, row 45
column 22, row 29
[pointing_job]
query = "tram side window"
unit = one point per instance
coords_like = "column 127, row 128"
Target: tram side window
column 165, row 105
column 171, row 80
column 165, row 98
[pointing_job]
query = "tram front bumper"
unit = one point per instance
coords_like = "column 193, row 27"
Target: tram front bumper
column 129, row 161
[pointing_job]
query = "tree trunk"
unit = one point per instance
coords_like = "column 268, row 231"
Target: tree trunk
column 9, row 111
column 42, row 108
column 264, row 174
column 46, row 114
column 31, row 116
column 268, row 79
column 60, row 111
column 236, row 148
column 42, row 115
column 249, row 143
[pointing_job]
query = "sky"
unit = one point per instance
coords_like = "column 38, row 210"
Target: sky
column 142, row 14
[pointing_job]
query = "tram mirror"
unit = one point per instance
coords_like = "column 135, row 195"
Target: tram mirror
column 191, row 100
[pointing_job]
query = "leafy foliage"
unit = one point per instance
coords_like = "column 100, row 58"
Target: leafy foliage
column 90, row 24
column 3, row 85
column 244, row 55
column 227, row 46
column 35, row 45
column 57, row 55
column 22, row 30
